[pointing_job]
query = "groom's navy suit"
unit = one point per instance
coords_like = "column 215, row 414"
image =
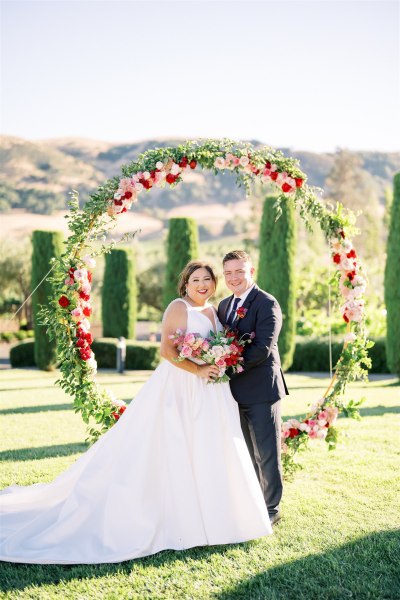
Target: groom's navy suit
column 259, row 388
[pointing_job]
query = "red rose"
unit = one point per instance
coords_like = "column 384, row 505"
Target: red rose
column 71, row 271
column 351, row 275
column 241, row 312
column 81, row 343
column 293, row 432
column 336, row 258
column 170, row 178
column 299, row 181
column 351, row 254
column 122, row 409
column 274, row 175
column 89, row 276
column 345, row 318
column 118, row 202
column 193, row 164
column 88, row 337
column 85, row 353
column 63, row 301
column 84, row 296
column 153, row 173
column 183, row 162
column 268, row 165
column 286, row 187
column 87, row 311
column 115, row 415
column 128, row 195
column 147, row 184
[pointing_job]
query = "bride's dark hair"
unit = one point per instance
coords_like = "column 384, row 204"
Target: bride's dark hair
column 190, row 268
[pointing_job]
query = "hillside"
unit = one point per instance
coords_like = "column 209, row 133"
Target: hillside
column 37, row 176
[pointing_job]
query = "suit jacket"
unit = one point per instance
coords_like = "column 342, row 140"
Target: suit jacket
column 262, row 379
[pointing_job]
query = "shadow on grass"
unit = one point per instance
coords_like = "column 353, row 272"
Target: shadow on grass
column 43, row 452
column 365, row 568
column 372, row 411
column 35, row 409
column 378, row 411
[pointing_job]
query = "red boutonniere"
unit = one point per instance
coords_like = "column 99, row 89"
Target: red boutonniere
column 241, row 312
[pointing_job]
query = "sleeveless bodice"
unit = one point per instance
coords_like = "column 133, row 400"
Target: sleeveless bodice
column 198, row 321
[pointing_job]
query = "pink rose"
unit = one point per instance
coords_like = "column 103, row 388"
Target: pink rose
column 189, row 338
column 220, row 362
column 186, row 351
column 239, row 369
column 77, row 313
column 312, row 434
column 219, row 163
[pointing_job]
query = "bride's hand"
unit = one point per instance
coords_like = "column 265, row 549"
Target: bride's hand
column 209, row 372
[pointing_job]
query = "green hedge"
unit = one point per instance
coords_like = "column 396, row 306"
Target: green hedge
column 310, row 355
column 276, row 268
column 22, row 355
column 182, row 246
column 119, row 294
column 21, row 334
column 45, row 246
column 392, row 284
column 139, row 355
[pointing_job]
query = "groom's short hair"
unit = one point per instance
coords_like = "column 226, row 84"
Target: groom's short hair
column 236, row 255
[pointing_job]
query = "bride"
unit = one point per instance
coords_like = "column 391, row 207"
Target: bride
column 174, row 472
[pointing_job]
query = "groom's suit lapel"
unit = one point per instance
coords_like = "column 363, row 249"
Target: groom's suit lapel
column 227, row 305
column 247, row 302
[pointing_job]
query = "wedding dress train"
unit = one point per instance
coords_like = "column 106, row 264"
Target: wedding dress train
column 174, row 472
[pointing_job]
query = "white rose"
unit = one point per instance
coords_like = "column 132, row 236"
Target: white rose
column 350, row 337
column 89, row 261
column 175, row 169
column 244, row 160
column 219, row 163
column 159, row 165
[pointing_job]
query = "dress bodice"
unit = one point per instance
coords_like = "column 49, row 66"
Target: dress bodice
column 198, row 321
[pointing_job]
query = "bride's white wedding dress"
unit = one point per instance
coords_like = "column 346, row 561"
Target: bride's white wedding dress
column 174, row 472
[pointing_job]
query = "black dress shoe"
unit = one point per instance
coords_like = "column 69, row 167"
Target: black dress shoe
column 275, row 517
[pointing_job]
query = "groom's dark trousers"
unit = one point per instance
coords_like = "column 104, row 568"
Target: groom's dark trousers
column 259, row 388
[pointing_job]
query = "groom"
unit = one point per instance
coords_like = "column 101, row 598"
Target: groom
column 259, row 388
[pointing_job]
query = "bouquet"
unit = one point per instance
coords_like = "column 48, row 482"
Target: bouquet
column 223, row 349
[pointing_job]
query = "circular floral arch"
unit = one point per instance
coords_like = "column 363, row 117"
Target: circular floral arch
column 67, row 317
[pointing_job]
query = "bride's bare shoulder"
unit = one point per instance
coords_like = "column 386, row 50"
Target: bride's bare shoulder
column 175, row 308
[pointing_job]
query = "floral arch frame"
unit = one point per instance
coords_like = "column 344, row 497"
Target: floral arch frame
column 67, row 317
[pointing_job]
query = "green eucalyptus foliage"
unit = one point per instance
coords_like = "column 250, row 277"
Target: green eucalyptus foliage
column 47, row 245
column 119, row 294
column 276, row 270
column 392, row 283
column 182, row 246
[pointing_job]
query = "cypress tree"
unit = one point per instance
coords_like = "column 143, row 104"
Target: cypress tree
column 276, row 268
column 119, row 294
column 392, row 283
column 182, row 246
column 45, row 245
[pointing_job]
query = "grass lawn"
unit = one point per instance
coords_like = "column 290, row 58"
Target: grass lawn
column 339, row 537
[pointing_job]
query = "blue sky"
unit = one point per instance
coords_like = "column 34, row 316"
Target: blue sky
column 312, row 75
